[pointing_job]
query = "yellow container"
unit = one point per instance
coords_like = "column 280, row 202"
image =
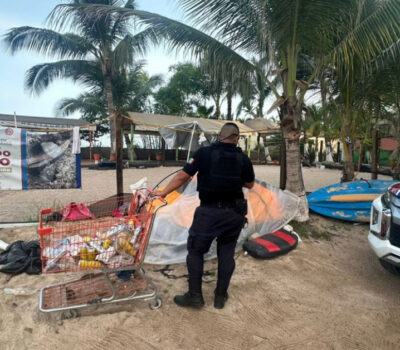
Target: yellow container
column 91, row 254
column 89, row 264
column 107, row 243
column 83, row 253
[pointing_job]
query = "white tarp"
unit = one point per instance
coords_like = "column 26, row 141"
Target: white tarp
column 180, row 135
column 269, row 209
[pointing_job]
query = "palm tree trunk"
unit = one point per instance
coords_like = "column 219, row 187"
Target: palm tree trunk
column 348, row 164
column 229, row 102
column 110, row 103
column 396, row 170
column 261, row 97
column 217, row 101
column 361, row 155
column 260, row 111
column 328, row 149
column 290, row 114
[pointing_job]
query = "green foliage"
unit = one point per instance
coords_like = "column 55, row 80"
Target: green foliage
column 184, row 93
column 311, row 155
column 131, row 89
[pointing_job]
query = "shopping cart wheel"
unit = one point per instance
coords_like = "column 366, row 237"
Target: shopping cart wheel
column 155, row 303
column 69, row 314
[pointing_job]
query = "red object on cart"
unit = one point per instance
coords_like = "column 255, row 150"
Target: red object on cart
column 76, row 211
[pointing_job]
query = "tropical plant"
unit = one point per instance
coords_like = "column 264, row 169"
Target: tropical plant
column 97, row 49
column 131, row 90
column 183, row 93
column 286, row 31
column 254, row 90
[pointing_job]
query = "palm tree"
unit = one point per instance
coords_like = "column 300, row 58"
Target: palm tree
column 254, row 90
column 131, row 90
column 286, row 31
column 93, row 54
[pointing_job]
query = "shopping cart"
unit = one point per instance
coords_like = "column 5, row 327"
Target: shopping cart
column 110, row 247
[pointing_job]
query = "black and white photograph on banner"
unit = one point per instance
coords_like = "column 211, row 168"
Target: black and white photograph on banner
column 50, row 161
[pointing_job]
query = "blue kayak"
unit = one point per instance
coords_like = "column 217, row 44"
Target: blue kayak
column 349, row 201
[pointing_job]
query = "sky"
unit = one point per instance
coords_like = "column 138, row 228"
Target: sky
column 14, row 97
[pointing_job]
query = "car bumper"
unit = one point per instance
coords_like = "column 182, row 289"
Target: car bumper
column 384, row 250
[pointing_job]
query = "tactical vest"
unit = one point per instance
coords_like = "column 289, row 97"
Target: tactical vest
column 225, row 171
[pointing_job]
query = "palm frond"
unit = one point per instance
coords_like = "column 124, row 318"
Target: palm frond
column 47, row 42
column 372, row 41
column 39, row 77
column 177, row 34
column 132, row 46
column 87, row 104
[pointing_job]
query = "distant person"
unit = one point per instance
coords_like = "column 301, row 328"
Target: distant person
column 223, row 170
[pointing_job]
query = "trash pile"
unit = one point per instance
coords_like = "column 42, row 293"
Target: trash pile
column 111, row 246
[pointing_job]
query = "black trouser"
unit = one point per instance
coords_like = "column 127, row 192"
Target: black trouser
column 209, row 223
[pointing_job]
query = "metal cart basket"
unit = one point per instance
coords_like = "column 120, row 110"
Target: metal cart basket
column 108, row 242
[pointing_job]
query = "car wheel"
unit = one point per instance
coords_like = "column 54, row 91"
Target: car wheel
column 390, row 267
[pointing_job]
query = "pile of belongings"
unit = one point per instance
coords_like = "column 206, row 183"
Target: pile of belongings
column 21, row 257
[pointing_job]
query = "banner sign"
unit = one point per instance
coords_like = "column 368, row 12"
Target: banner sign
column 30, row 160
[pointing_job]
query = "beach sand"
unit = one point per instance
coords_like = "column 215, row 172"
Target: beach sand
column 19, row 206
column 326, row 294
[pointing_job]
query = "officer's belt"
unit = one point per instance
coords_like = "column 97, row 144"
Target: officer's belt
column 219, row 204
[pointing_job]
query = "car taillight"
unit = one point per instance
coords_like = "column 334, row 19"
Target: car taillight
column 375, row 216
column 385, row 223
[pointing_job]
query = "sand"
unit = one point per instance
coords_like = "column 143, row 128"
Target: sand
column 19, row 206
column 326, row 294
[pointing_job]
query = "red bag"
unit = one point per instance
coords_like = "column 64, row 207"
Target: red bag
column 76, row 211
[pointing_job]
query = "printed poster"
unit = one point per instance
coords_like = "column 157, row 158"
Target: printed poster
column 30, row 160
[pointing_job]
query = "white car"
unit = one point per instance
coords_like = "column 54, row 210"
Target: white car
column 384, row 233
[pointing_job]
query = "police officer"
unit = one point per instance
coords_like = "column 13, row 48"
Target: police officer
column 223, row 170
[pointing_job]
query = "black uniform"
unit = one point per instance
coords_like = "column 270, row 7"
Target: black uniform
column 222, row 171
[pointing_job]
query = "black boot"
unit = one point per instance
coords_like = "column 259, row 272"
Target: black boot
column 221, row 296
column 190, row 300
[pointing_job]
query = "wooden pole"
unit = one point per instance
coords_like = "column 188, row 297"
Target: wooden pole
column 282, row 163
column 90, row 145
column 119, row 150
column 163, row 151
column 131, row 148
column 321, row 146
column 375, row 155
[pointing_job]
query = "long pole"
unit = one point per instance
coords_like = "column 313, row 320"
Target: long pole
column 90, row 145
column 191, row 139
column 282, row 163
column 375, row 155
column 131, row 147
column 118, row 141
